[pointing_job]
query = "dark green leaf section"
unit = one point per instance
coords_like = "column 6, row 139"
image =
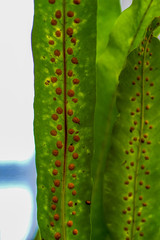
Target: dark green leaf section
column 126, row 34
column 107, row 14
column 131, row 192
column 64, row 50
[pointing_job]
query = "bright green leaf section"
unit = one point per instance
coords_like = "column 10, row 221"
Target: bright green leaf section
column 64, row 50
column 128, row 30
column 131, row 193
column 108, row 12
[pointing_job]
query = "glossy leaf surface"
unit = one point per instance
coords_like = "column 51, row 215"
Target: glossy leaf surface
column 126, row 34
column 131, row 193
column 64, row 49
column 107, row 14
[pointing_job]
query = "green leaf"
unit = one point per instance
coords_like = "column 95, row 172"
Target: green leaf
column 64, row 102
column 127, row 32
column 131, row 193
column 108, row 12
column 38, row 236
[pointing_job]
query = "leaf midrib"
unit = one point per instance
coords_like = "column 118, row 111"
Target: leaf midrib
column 140, row 24
column 105, row 142
column 65, row 126
column 140, row 144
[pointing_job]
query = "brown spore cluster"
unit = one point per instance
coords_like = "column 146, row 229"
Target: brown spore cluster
column 138, row 144
column 62, row 114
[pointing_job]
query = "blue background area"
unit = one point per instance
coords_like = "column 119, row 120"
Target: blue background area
column 24, row 174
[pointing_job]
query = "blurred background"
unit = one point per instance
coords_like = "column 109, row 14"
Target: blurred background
column 17, row 151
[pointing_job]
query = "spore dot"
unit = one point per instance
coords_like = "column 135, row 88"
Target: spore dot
column 77, row 20
column 71, row 148
column 55, row 199
column 71, row 166
column 57, row 53
column 143, row 220
column 141, row 234
column 53, row 22
column 51, row 42
column 75, row 231
column 75, row 100
column 76, row 81
column 125, row 198
column 56, row 217
column 69, row 223
column 70, row 73
column 58, row 72
column 58, row 33
column 70, row 51
column 70, row 14
column 52, row 224
column 70, row 93
column 144, row 204
column 73, row 40
column 70, row 112
column 57, row 183
column 59, row 144
column 70, row 185
column 53, row 79
column 55, row 172
column 74, row 192
column 53, row 132
column 58, row 163
column 52, row 59
column 55, row 152
column 53, row 189
column 58, row 91
column 69, row 31
column 59, row 110
column 70, row 204
column 75, row 155
column 70, row 131
column 58, row 14
column 124, row 211
column 74, row 60
column 53, row 207
column 51, row 1
column 76, row 120
column 57, row 236
column 77, row 1
column 76, row 138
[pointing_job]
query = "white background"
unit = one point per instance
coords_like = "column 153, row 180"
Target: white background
column 16, row 114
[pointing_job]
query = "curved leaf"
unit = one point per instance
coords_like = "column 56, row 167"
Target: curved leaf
column 131, row 191
column 125, row 36
column 107, row 14
column 64, row 49
column 38, row 235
